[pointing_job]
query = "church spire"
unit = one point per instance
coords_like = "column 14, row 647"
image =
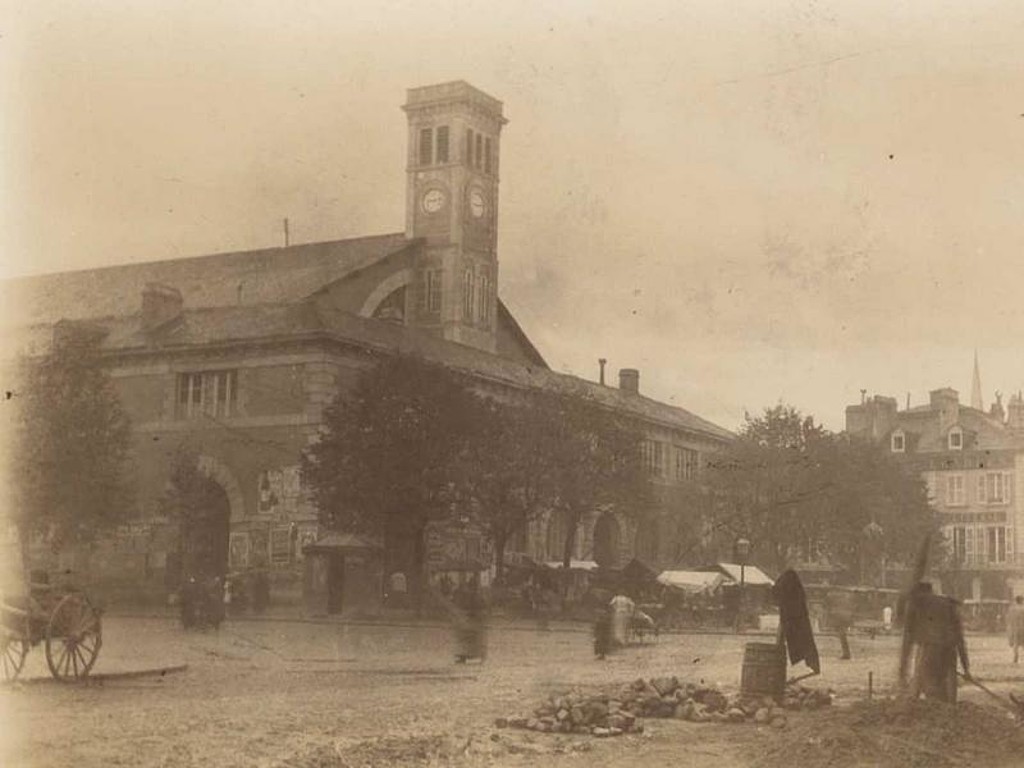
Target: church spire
column 976, row 386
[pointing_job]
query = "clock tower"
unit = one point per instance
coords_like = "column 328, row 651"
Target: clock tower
column 452, row 205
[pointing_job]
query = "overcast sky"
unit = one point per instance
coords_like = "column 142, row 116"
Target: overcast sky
column 748, row 201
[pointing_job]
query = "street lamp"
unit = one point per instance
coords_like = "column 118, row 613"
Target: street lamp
column 742, row 549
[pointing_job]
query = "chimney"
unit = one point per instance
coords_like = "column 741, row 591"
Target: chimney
column 160, row 305
column 629, row 380
column 946, row 401
column 601, row 362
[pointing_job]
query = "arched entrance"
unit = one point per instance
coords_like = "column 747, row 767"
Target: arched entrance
column 206, row 522
column 555, row 540
column 607, row 538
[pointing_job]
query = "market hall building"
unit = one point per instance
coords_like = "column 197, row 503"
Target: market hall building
column 236, row 356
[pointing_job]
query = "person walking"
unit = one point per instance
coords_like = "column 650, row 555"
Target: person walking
column 1015, row 626
column 840, row 613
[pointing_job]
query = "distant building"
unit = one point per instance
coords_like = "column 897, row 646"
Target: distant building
column 237, row 355
column 973, row 464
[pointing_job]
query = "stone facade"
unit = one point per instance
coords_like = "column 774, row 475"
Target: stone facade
column 973, row 464
column 235, row 356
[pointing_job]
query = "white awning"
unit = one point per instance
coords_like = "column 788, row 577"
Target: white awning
column 574, row 565
column 752, row 575
column 691, row 581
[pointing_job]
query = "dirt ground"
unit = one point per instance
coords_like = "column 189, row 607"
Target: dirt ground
column 298, row 695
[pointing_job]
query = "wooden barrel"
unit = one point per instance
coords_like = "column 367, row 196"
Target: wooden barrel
column 764, row 669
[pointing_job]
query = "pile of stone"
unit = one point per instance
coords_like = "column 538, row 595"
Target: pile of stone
column 620, row 712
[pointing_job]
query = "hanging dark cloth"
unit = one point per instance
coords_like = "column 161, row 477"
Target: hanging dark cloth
column 796, row 623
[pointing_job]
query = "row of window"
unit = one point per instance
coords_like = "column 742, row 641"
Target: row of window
column 982, row 544
column 669, row 461
column 209, row 393
column 435, row 148
column 989, row 488
column 954, row 440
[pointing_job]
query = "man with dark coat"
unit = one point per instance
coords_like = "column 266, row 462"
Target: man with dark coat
column 933, row 637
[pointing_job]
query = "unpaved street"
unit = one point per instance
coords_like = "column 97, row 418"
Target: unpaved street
column 304, row 694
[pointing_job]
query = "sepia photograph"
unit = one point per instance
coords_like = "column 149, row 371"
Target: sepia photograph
column 514, row 384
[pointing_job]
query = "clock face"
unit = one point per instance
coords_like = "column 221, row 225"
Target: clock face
column 433, row 200
column 477, row 204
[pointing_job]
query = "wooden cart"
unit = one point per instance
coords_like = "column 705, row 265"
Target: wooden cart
column 63, row 619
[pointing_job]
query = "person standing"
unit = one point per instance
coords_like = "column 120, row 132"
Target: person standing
column 933, row 637
column 1015, row 626
column 840, row 612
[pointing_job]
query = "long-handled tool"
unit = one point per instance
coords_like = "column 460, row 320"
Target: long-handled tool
column 1017, row 707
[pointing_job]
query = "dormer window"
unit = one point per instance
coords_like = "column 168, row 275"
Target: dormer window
column 898, row 442
column 956, row 439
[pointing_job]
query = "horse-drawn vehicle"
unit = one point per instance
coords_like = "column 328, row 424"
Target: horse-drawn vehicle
column 61, row 618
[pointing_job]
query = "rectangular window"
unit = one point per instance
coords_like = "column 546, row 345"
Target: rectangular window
column 483, row 299
column 653, row 455
column 433, row 290
column 898, row 443
column 968, row 544
column 954, row 490
column 426, row 145
column 479, row 154
column 207, row 393
column 959, row 545
column 685, row 461
column 487, row 155
column 467, row 295
column 469, row 146
column 442, row 144
column 995, row 488
column 997, row 545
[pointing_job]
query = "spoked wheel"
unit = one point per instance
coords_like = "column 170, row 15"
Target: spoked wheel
column 12, row 654
column 73, row 638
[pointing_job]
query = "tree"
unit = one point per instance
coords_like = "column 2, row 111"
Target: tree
column 508, row 471
column 71, row 445
column 386, row 463
column 798, row 491
column 597, row 463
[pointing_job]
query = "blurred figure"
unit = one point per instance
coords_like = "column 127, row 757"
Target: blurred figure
column 470, row 631
column 1015, row 626
column 622, row 610
column 887, row 618
column 933, row 637
column 603, row 643
column 840, row 612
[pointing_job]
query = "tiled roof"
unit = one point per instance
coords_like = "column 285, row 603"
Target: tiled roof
column 218, row 280
column 981, row 431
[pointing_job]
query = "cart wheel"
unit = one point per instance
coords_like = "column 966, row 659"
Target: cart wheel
column 12, row 655
column 73, row 638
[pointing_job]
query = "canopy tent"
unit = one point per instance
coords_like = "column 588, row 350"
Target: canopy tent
column 341, row 542
column 574, row 565
column 694, row 582
column 752, row 575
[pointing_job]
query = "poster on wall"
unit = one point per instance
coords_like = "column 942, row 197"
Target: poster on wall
column 238, row 550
